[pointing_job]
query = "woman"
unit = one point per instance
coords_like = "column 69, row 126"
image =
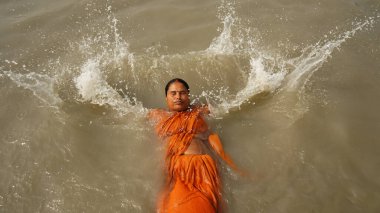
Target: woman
column 192, row 182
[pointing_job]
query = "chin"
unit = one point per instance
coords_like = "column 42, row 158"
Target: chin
column 179, row 108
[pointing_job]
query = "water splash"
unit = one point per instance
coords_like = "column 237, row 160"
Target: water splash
column 41, row 85
column 93, row 87
column 259, row 80
column 101, row 52
column 223, row 44
column 231, row 38
column 107, row 54
column 314, row 56
column 269, row 73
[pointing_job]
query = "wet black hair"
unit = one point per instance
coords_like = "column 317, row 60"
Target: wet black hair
column 175, row 80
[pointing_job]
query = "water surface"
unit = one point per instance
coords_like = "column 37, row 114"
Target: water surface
column 293, row 87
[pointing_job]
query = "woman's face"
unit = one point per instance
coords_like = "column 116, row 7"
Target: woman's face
column 177, row 97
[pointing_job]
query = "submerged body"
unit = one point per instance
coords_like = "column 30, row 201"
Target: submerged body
column 192, row 179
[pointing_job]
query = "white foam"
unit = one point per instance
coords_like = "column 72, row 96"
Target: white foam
column 93, row 87
column 259, row 80
column 223, row 43
column 90, row 82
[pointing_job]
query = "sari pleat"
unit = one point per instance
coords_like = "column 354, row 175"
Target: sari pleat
column 193, row 182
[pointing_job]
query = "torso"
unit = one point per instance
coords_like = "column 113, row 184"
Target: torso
column 197, row 145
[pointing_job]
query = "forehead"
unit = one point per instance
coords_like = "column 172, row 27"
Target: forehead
column 177, row 86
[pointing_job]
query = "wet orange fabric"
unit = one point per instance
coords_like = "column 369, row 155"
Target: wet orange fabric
column 192, row 180
column 195, row 187
column 193, row 183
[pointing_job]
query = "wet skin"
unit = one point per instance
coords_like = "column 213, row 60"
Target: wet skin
column 177, row 99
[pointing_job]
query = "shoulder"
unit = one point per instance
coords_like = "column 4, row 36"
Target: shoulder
column 157, row 114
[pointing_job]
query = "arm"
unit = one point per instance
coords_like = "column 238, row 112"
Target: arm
column 156, row 114
column 216, row 144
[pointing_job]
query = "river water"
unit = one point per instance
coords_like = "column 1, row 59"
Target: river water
column 293, row 86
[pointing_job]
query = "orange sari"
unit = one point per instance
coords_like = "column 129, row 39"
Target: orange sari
column 193, row 182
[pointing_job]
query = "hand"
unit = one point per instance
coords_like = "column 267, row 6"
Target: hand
column 203, row 109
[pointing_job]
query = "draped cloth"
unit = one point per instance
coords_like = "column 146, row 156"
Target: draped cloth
column 193, row 182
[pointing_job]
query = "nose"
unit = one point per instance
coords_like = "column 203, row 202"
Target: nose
column 177, row 95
